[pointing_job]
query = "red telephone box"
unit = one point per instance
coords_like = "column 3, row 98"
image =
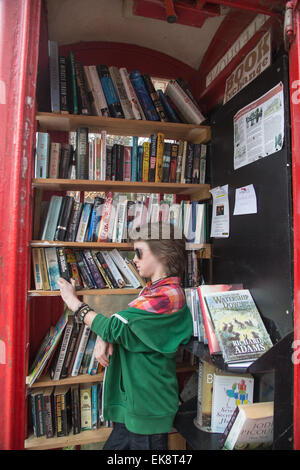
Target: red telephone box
column 22, row 25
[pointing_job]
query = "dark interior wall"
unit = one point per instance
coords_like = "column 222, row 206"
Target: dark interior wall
column 258, row 252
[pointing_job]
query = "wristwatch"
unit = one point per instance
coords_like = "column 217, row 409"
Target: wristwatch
column 81, row 312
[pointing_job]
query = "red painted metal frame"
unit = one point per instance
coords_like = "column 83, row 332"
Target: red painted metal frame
column 19, row 26
column 295, row 128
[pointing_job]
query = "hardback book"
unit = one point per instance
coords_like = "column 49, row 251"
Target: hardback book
column 112, row 98
column 63, row 219
column 241, row 333
column 58, row 361
column 136, row 109
column 146, row 160
column 84, row 222
column 155, row 98
column 250, row 428
column 229, row 390
column 166, row 162
column 54, row 161
column 52, row 267
column 121, row 91
column 63, row 85
column 143, row 96
column 73, row 85
column 190, row 112
column 48, row 411
column 83, row 99
column 82, row 153
column 74, row 222
column 122, row 266
column 75, row 409
column 48, row 346
column 152, row 162
column 97, row 91
column 86, row 406
column 54, row 76
column 159, row 157
column 213, row 344
column 80, row 351
column 42, row 155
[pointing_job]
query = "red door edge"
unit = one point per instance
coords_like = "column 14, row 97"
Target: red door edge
column 19, row 42
column 294, row 56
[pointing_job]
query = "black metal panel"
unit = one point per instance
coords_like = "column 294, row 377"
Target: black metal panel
column 258, row 252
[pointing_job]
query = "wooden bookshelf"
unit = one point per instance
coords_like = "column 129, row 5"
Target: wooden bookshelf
column 105, row 291
column 84, row 437
column 196, row 134
column 197, row 192
column 46, row 381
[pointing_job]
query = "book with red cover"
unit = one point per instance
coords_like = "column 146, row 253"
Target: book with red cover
column 213, row 344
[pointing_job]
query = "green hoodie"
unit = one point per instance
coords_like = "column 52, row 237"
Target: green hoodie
column 140, row 386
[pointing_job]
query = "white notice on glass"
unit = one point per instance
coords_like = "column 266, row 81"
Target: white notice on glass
column 220, row 212
column 245, row 201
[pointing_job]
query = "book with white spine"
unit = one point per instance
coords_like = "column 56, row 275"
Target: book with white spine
column 100, row 100
column 126, row 271
column 134, row 102
column 55, row 149
column 113, row 268
column 80, row 351
column 185, row 105
column 119, row 86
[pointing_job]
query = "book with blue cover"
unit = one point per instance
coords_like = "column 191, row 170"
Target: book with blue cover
column 143, row 96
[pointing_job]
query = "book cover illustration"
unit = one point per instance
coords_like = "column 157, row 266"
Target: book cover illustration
column 238, row 325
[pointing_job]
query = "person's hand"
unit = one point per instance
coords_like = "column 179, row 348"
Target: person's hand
column 68, row 294
column 103, row 350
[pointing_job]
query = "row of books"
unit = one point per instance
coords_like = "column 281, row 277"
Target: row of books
column 91, row 269
column 58, row 410
column 154, row 160
column 114, row 92
column 227, row 319
column 225, row 406
column 115, row 218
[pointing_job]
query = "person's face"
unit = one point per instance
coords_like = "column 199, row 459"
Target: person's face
column 147, row 264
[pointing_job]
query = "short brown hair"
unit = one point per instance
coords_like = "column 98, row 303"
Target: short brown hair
column 167, row 243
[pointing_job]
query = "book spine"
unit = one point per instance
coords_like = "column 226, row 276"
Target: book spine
column 166, row 162
column 146, row 161
column 52, row 267
column 196, row 164
column 54, row 76
column 140, row 163
column 222, row 442
column 173, row 162
column 127, row 163
column 84, row 271
column 155, row 98
column 189, row 162
column 63, row 264
column 36, row 269
column 106, row 269
column 103, row 156
column 44, row 272
column 94, row 406
column 110, row 93
column 99, row 97
column 74, row 222
column 101, row 270
column 82, row 89
column 62, row 352
column 159, row 157
column 63, row 82
column 135, row 105
column 185, row 105
column 73, row 83
column 70, row 352
column 64, row 414
column 202, row 170
column 94, row 270
column 182, row 179
column 52, row 218
column 90, row 92
column 167, row 107
column 34, row 415
column 134, row 158
column 86, row 409
column 120, row 262
column 75, row 401
column 108, row 162
column 104, row 224
column 113, row 269
column 64, row 217
column 42, row 155
column 84, row 221
column 49, row 428
column 120, row 162
column 152, row 163
column 82, row 153
column 55, row 150
column 118, row 84
column 81, row 348
column 143, row 96
column 65, row 160
column 179, row 161
column 40, row 414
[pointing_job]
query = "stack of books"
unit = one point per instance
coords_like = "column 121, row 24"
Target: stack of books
column 100, row 90
column 152, row 160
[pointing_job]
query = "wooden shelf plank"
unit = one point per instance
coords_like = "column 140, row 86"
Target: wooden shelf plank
column 50, row 293
column 196, row 191
column 85, row 437
column 46, row 381
column 70, row 122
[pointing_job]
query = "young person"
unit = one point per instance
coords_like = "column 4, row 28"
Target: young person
column 138, row 346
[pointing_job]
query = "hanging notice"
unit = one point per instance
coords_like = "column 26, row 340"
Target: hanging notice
column 259, row 128
column 255, row 62
column 245, row 200
column 220, row 212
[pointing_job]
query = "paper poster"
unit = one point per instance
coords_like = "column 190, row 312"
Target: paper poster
column 245, row 200
column 259, row 128
column 220, row 212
